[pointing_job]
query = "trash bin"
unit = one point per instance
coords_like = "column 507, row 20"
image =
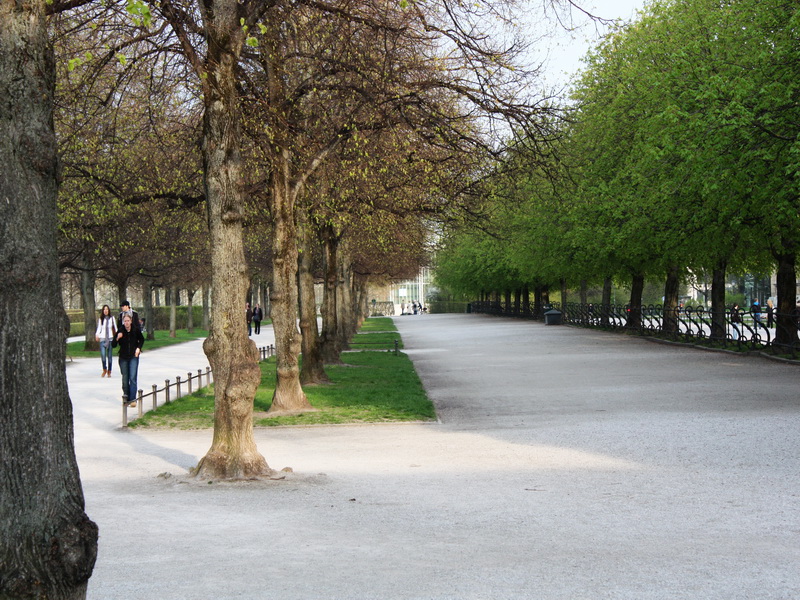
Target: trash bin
column 552, row 317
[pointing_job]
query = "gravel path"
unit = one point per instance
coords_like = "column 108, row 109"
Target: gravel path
column 568, row 464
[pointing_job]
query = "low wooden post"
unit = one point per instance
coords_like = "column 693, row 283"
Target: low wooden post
column 178, row 387
column 189, row 380
column 155, row 396
column 124, row 414
column 139, row 406
column 208, row 375
column 199, row 379
column 166, row 391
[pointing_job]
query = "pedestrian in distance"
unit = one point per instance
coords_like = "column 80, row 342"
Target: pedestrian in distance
column 770, row 314
column 105, row 334
column 755, row 310
column 248, row 314
column 130, row 341
column 258, row 316
column 736, row 319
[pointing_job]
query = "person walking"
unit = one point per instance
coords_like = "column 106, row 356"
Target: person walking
column 105, row 334
column 258, row 315
column 130, row 341
column 755, row 309
column 248, row 314
column 736, row 319
column 770, row 314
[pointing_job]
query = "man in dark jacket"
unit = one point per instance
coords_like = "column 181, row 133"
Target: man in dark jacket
column 125, row 309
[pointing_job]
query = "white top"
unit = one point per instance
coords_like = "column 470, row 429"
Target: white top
column 106, row 329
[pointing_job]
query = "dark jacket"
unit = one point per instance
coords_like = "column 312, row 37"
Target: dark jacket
column 134, row 321
column 736, row 316
column 130, row 341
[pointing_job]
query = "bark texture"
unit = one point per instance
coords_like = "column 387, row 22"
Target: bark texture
column 786, row 332
column 312, row 370
column 606, row 301
column 148, row 312
column 48, row 545
column 635, row 305
column 671, row 299
column 289, row 395
column 718, row 310
column 232, row 354
column 89, row 308
column 328, row 339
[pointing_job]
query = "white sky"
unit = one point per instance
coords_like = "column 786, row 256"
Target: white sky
column 567, row 48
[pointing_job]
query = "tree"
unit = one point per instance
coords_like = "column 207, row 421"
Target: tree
column 49, row 545
column 214, row 56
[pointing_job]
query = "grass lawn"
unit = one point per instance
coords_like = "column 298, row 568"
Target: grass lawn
column 370, row 387
column 378, row 324
column 75, row 349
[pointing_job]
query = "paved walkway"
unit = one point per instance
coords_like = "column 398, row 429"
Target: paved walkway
column 569, row 464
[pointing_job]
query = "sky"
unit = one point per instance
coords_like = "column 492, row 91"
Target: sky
column 567, row 48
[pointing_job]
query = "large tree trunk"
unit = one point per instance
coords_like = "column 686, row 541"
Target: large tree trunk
column 605, row 310
column 288, row 396
column 48, row 545
column 360, row 284
column 89, row 307
column 148, row 311
column 190, row 310
column 345, row 307
column 329, row 340
column 672, row 288
column 538, row 302
column 786, row 327
column 526, row 300
column 206, row 307
column 635, row 304
column 312, row 370
column 173, row 311
column 232, row 354
column 122, row 290
column 718, row 310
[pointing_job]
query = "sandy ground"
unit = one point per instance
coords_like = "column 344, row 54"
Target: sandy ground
column 568, row 464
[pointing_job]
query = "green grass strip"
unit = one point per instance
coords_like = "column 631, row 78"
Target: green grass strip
column 370, row 387
column 378, row 324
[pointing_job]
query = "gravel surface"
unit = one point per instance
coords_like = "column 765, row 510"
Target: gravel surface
column 568, row 464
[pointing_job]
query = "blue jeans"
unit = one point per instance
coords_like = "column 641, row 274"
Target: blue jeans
column 106, row 356
column 129, row 367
